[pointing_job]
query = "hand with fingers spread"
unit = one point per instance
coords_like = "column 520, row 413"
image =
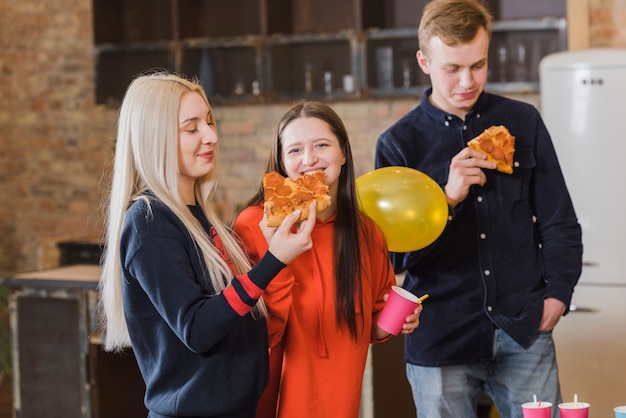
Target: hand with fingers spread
column 466, row 170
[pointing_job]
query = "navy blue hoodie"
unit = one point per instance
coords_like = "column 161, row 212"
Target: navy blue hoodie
column 201, row 354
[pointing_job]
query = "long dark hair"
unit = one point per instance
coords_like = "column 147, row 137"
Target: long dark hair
column 348, row 223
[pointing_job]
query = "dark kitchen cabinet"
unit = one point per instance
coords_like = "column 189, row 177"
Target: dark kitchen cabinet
column 275, row 50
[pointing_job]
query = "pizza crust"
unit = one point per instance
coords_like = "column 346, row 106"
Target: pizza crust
column 499, row 146
column 283, row 195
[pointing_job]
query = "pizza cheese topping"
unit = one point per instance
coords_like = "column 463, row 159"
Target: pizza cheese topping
column 283, row 195
column 499, row 145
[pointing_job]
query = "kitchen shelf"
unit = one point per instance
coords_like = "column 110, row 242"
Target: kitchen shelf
column 311, row 65
column 229, row 68
column 530, row 39
column 246, row 51
column 402, row 77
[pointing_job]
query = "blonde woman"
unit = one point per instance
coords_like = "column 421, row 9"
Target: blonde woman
column 175, row 284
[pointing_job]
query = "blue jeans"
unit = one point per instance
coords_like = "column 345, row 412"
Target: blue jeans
column 511, row 378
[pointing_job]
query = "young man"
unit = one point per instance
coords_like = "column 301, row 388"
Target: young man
column 503, row 272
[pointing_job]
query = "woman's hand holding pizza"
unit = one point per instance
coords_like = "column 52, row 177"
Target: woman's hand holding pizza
column 286, row 242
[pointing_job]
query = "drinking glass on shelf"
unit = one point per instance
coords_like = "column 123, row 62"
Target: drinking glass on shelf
column 502, row 63
column 521, row 62
column 328, row 82
column 308, row 78
column 348, row 83
column 384, row 67
column 406, row 74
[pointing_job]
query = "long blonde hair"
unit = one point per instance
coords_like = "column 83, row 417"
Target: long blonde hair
column 146, row 159
column 349, row 225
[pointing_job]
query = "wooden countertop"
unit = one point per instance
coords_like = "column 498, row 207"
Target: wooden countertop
column 79, row 276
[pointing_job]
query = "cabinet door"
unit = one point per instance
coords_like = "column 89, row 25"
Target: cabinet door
column 48, row 357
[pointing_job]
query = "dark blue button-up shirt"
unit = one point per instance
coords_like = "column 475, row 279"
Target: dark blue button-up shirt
column 509, row 245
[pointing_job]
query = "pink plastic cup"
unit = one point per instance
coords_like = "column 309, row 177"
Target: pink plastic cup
column 537, row 410
column 574, row 410
column 401, row 303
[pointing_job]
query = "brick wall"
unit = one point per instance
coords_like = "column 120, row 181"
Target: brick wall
column 607, row 23
column 55, row 141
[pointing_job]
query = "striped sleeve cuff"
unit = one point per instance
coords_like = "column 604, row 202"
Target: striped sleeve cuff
column 245, row 290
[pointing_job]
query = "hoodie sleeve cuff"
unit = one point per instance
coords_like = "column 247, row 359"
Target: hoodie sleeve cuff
column 265, row 270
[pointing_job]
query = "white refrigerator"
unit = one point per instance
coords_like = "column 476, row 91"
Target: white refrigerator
column 583, row 103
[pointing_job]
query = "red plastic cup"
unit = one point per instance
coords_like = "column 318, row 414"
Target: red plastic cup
column 537, row 409
column 574, row 410
column 401, row 303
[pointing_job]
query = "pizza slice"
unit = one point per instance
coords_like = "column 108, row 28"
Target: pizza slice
column 499, row 145
column 283, row 195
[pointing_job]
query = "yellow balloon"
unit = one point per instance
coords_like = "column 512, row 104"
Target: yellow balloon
column 407, row 205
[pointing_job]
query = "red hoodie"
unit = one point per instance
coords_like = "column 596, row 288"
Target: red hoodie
column 322, row 365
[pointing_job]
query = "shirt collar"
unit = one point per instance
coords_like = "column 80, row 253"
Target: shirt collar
column 446, row 118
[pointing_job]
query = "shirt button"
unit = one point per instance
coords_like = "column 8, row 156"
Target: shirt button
column 449, row 217
column 479, row 198
column 483, row 236
column 465, row 127
column 447, row 123
column 489, row 308
column 487, row 272
column 516, row 164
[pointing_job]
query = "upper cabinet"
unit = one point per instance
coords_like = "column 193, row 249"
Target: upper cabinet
column 271, row 50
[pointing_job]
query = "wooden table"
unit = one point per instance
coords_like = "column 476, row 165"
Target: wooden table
column 59, row 367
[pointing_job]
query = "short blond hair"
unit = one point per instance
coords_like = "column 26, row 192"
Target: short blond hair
column 455, row 22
